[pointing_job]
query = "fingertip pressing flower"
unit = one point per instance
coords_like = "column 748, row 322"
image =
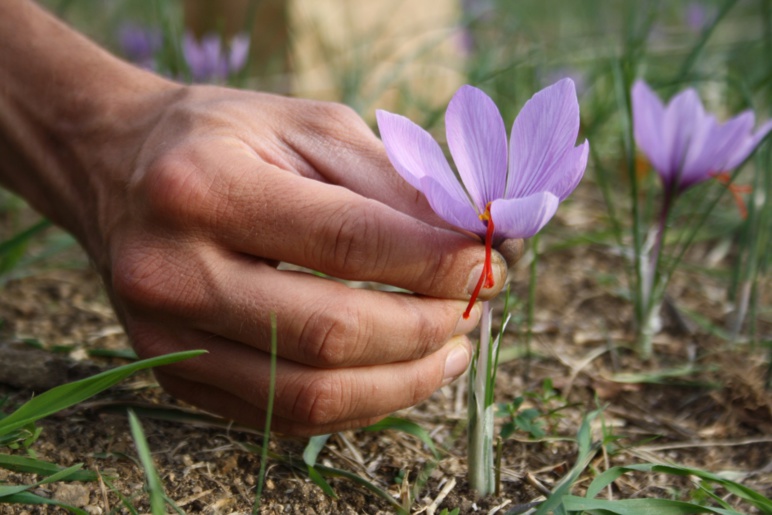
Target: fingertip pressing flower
column 686, row 145
column 506, row 191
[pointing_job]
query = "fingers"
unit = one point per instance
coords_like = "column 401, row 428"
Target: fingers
column 254, row 208
column 511, row 251
column 322, row 323
column 305, row 397
column 232, row 407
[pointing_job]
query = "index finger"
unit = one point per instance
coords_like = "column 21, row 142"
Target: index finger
column 253, row 207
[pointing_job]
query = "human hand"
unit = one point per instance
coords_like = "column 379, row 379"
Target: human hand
column 229, row 183
column 186, row 198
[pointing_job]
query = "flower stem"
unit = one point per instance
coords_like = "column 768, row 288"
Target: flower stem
column 652, row 283
column 481, row 411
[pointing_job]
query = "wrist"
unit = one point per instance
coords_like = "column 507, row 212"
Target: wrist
column 71, row 116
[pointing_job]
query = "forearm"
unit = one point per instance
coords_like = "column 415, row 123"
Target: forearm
column 67, row 107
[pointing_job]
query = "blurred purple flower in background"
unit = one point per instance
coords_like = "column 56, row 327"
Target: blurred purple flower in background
column 209, row 61
column 697, row 15
column 139, row 44
column 686, row 145
column 520, row 190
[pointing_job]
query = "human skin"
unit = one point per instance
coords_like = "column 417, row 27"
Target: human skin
column 187, row 197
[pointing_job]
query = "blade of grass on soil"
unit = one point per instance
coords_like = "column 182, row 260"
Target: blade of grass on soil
column 155, row 489
column 69, row 394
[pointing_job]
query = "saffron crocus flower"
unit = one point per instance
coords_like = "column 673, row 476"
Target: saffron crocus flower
column 686, row 145
column 209, row 61
column 503, row 193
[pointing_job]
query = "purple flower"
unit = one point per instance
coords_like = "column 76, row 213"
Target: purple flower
column 209, row 61
column 686, row 145
column 697, row 16
column 140, row 44
column 505, row 194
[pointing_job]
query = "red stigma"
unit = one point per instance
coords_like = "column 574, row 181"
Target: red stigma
column 487, row 272
column 736, row 190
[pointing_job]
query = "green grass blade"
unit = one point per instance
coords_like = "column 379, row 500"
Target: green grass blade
column 411, row 428
column 12, row 249
column 155, row 488
column 322, row 483
column 268, row 416
column 69, row 394
column 741, row 491
column 310, row 453
column 313, row 448
column 587, row 451
column 30, row 498
column 638, row 507
column 41, row 468
column 62, row 475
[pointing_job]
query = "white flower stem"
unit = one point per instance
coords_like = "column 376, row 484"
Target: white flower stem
column 481, row 411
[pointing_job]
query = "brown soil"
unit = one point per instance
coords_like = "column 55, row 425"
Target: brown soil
column 717, row 417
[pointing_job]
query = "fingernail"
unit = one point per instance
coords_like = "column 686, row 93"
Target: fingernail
column 499, row 271
column 457, row 361
column 465, row 325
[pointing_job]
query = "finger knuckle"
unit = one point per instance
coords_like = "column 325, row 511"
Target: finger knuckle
column 354, row 246
column 146, row 278
column 171, row 190
column 321, row 401
column 330, row 336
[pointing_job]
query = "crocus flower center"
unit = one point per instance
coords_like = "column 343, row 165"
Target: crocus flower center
column 487, row 272
column 735, row 189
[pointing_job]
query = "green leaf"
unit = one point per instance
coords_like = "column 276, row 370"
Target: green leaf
column 587, row 451
column 62, row 475
column 155, row 489
column 30, row 498
column 310, row 453
column 12, row 249
column 69, row 394
column 743, row 492
column 313, row 448
column 411, row 428
column 638, row 507
column 322, row 483
column 41, row 468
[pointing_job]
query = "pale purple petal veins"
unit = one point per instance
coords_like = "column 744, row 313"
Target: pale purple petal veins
column 523, row 217
column 683, row 114
column 742, row 153
column 478, row 143
column 713, row 146
column 564, row 177
column 544, row 130
column 459, row 213
column 415, row 155
column 648, row 120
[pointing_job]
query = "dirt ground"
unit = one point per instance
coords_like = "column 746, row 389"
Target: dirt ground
column 716, row 416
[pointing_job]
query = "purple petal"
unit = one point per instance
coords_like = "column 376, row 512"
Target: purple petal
column 478, row 142
column 648, row 120
column 683, row 116
column 239, row 52
column 523, row 217
column 712, row 146
column 742, row 153
column 460, row 213
column 193, row 55
column 543, row 132
column 415, row 155
column 564, row 177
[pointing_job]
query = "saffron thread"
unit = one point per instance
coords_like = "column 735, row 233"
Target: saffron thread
column 487, row 272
